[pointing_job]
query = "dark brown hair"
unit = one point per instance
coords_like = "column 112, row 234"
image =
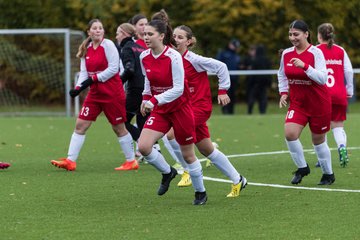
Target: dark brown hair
column 301, row 25
column 326, row 31
column 136, row 18
column 163, row 17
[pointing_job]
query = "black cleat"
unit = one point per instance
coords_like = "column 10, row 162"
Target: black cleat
column 327, row 179
column 165, row 182
column 299, row 174
column 200, row 198
column 317, row 164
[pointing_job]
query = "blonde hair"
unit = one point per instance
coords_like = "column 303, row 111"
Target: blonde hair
column 83, row 46
column 128, row 28
column 189, row 35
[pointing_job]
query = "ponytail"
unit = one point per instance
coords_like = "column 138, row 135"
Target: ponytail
column 83, row 48
column 189, row 35
column 163, row 17
column 326, row 31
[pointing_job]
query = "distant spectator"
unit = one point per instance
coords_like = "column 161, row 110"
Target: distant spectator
column 230, row 57
column 257, row 85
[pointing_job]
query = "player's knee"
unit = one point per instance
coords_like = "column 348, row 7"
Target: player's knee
column 291, row 137
column 144, row 148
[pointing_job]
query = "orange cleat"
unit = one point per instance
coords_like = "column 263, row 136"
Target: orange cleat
column 64, row 163
column 128, row 165
column 4, row 165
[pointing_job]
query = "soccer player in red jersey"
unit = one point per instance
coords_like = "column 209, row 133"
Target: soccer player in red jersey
column 302, row 76
column 166, row 96
column 100, row 70
column 339, row 70
column 196, row 68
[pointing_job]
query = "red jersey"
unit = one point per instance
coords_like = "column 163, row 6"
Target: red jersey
column 102, row 64
column 339, row 70
column 141, row 42
column 306, row 87
column 164, row 79
column 196, row 68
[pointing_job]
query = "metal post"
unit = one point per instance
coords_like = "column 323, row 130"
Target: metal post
column 67, row 73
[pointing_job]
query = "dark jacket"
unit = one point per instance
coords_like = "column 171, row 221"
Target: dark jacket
column 260, row 62
column 129, row 55
column 231, row 59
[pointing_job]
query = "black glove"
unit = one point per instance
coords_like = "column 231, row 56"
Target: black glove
column 74, row 92
column 85, row 84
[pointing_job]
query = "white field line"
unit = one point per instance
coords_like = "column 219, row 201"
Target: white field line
column 274, row 153
column 284, row 186
column 278, row 185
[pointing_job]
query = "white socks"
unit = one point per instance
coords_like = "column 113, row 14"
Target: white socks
column 339, row 136
column 158, row 161
column 324, row 156
column 195, row 171
column 127, row 145
column 177, row 151
column 224, row 165
column 75, row 146
column 169, row 148
column 297, row 153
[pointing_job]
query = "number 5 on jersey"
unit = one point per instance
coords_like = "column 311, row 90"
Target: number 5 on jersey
column 150, row 121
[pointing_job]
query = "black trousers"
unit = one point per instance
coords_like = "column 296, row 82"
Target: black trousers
column 133, row 103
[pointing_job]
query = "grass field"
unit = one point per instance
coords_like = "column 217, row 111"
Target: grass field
column 39, row 201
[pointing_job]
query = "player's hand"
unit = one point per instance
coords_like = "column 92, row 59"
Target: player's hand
column 146, row 107
column 142, row 108
column 297, row 62
column 283, row 100
column 74, row 92
column 223, row 99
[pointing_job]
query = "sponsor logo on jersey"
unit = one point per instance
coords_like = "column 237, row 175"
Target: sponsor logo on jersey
column 148, row 70
column 334, row 62
column 289, row 64
column 87, row 57
column 300, row 82
column 323, row 128
column 160, row 89
column 118, row 118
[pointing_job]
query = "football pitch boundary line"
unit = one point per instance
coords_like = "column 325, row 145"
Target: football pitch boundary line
column 274, row 153
column 279, row 185
column 285, row 186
